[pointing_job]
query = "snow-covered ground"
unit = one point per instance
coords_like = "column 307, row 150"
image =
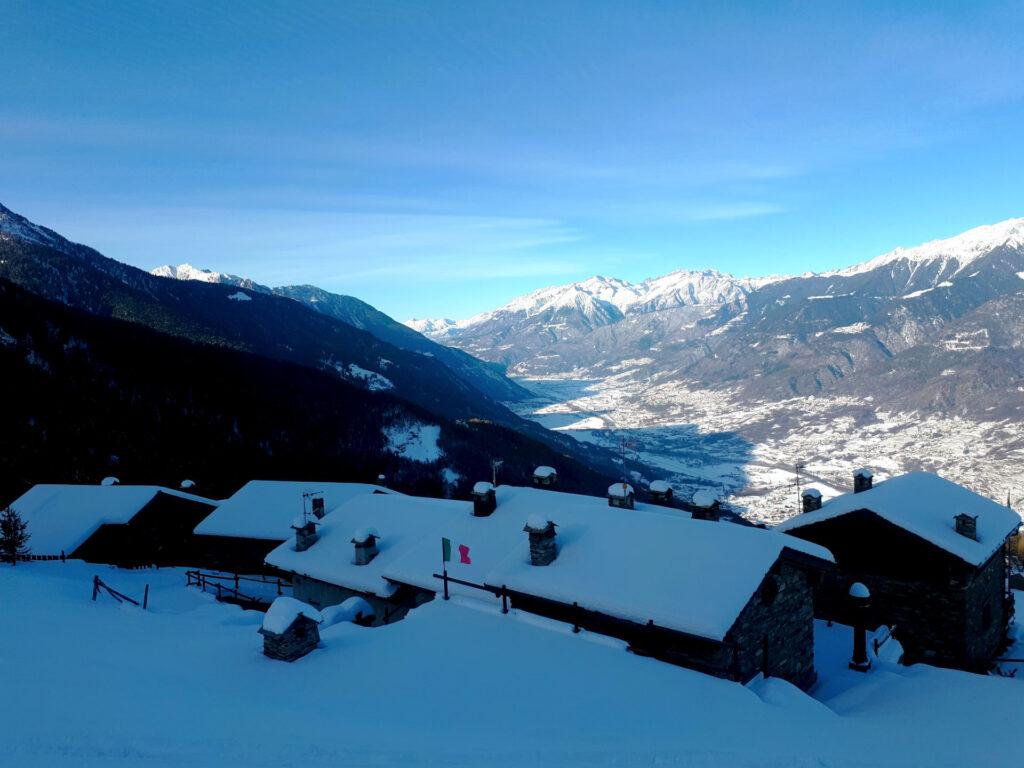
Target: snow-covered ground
column 414, row 441
column 758, row 475
column 455, row 684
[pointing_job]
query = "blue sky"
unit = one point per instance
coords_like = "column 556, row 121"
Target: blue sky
column 440, row 158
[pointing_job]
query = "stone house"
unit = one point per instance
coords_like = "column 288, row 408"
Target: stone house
column 290, row 629
column 933, row 555
column 724, row 599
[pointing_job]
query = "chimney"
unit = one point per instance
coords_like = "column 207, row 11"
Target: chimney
column 862, row 480
column 966, row 525
column 382, row 481
column 661, row 492
column 365, row 540
column 543, row 476
column 484, row 499
column 317, row 507
column 620, row 495
column 543, row 550
column 705, row 506
column 811, row 499
column 305, row 532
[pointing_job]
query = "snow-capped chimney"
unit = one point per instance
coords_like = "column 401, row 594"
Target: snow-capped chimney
column 811, row 499
column 543, row 549
column 966, row 525
column 305, row 532
column 485, row 500
column 621, row 495
column 661, row 492
column 705, row 506
column 365, row 540
column 862, row 479
column 543, row 476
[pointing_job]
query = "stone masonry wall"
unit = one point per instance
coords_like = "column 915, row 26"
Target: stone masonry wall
column 779, row 620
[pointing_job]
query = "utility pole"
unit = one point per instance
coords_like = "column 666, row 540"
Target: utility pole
column 495, row 465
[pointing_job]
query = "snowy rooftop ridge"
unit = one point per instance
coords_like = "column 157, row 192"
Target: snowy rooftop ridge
column 62, row 517
column 651, row 563
column 925, row 504
column 265, row 509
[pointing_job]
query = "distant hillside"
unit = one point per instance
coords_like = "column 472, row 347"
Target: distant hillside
column 248, row 319
column 91, row 396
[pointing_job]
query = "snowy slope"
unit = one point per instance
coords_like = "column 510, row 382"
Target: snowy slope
column 101, row 685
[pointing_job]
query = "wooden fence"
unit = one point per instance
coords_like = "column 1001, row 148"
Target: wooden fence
column 227, row 587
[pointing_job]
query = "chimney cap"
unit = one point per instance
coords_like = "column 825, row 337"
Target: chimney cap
column 659, row 486
column 544, row 471
column 482, row 487
column 363, row 535
column 620, row 490
column 538, row 523
column 813, row 493
column 863, row 472
column 108, row 481
column 302, row 521
column 859, row 591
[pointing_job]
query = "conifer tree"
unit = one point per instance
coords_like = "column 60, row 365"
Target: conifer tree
column 14, row 536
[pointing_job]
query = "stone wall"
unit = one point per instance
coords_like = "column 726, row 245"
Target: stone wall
column 988, row 613
column 774, row 633
column 300, row 638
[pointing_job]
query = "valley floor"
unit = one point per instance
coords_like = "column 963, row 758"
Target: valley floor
column 748, row 451
column 98, row 684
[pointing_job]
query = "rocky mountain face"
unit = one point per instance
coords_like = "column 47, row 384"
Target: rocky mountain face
column 917, row 334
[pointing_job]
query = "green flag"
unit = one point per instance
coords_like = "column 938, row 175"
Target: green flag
column 446, row 550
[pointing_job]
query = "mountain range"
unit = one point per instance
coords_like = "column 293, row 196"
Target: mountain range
column 932, row 334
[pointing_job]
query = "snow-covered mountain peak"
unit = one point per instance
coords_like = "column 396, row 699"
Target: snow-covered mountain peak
column 188, row 272
column 963, row 248
column 431, row 326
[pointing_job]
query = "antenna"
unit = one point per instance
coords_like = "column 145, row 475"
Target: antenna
column 308, row 495
column 495, row 466
column 798, row 466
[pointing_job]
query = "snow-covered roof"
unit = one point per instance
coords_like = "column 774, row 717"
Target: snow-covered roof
column 660, row 486
column 620, row 490
column 403, row 522
column 284, row 611
column 542, row 472
column 925, row 504
column 704, row 498
column 693, row 576
column 651, row 563
column 482, row 488
column 265, row 509
column 62, row 517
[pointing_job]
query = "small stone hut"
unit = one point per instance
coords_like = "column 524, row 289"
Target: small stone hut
column 290, row 629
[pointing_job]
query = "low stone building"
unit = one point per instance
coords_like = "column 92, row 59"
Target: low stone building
column 932, row 553
column 290, row 629
column 728, row 600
